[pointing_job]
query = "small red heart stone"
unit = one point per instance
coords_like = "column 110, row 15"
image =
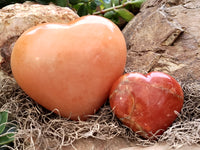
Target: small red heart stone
column 146, row 103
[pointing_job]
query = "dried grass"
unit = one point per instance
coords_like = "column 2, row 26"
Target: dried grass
column 40, row 129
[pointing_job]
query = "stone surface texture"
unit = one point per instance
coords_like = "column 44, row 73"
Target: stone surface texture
column 165, row 36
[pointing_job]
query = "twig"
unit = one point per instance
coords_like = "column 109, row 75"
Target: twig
column 130, row 2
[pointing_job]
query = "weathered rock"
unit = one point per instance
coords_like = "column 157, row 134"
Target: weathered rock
column 165, row 36
column 16, row 18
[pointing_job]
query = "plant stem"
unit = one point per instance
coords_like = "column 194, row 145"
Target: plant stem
column 135, row 2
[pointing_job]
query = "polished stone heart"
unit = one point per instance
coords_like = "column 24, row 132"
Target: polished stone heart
column 147, row 103
column 70, row 67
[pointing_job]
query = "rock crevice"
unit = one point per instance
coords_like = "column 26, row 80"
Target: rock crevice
column 165, row 37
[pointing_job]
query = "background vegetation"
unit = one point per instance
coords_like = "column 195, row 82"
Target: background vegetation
column 119, row 11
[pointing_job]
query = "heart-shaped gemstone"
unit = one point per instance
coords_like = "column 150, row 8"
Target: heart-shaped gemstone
column 146, row 103
column 72, row 66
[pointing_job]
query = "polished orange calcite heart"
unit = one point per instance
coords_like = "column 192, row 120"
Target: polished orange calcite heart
column 70, row 67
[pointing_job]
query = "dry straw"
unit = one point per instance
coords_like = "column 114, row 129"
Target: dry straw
column 40, row 129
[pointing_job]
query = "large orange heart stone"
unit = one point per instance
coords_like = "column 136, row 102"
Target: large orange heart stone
column 70, row 67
